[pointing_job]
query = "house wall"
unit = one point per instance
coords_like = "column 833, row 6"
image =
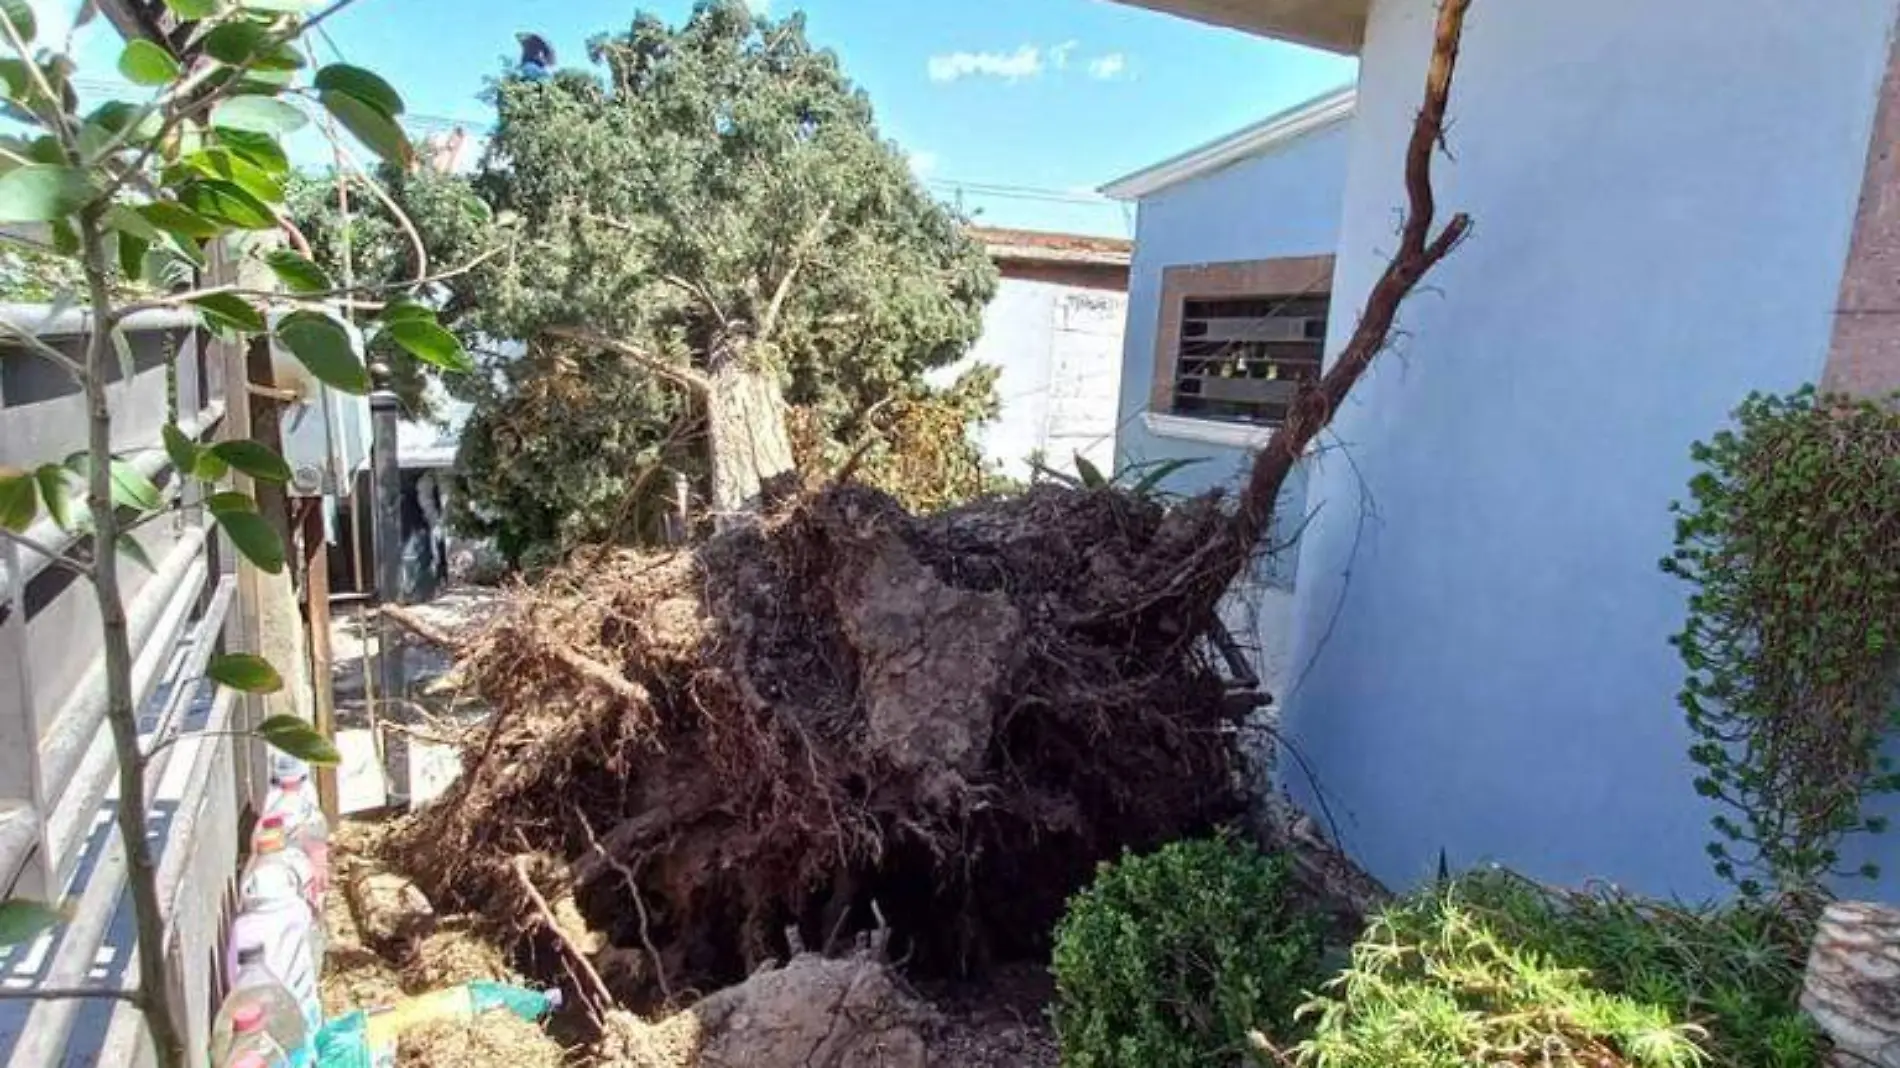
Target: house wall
column 1663, row 195
column 1282, row 203
column 1056, row 344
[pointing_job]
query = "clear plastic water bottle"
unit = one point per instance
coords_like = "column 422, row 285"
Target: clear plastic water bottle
column 259, row 1023
column 277, row 930
column 293, row 802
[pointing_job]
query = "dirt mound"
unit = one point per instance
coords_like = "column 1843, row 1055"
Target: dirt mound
column 812, row 1013
column 839, row 717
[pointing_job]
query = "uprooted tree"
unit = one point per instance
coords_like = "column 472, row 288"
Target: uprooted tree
column 709, row 230
column 847, row 717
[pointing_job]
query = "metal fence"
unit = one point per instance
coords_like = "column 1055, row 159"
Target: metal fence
column 58, row 772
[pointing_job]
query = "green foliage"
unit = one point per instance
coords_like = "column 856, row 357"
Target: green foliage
column 126, row 205
column 1791, row 542
column 1496, row 970
column 718, row 196
column 1170, row 960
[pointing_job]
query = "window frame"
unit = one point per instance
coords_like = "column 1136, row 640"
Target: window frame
column 1276, row 278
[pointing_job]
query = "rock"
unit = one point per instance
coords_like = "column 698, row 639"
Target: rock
column 391, row 913
column 1852, row 988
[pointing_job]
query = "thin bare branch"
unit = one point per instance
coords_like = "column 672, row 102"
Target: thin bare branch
column 349, row 293
column 680, row 376
column 800, row 249
column 41, row 348
column 56, row 558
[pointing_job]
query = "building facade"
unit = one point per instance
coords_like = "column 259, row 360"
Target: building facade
column 1675, row 205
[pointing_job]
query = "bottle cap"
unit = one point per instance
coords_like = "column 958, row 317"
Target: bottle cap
column 249, row 1017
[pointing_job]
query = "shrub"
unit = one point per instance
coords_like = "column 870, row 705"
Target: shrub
column 1168, row 960
column 1497, row 970
column 1791, row 542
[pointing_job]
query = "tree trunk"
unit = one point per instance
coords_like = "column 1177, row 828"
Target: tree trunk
column 154, row 993
column 748, row 440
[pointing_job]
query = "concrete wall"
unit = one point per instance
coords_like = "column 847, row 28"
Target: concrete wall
column 1664, row 195
column 1057, row 347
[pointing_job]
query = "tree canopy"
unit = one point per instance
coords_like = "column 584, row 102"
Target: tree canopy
column 712, row 195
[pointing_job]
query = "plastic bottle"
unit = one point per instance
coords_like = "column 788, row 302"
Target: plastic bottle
column 463, row 1002
column 293, row 802
column 259, row 1023
column 277, row 932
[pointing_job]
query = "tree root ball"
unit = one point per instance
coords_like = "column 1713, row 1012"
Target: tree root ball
column 836, row 719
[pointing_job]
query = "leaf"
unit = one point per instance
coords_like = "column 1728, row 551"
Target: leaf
column 20, row 13
column 297, row 738
column 283, row 7
column 130, row 548
column 178, row 220
column 375, row 129
column 15, row 78
column 231, row 311
column 55, row 495
column 38, row 192
column 210, row 466
column 181, row 449
column 431, row 344
column 1150, row 481
column 132, row 252
column 298, row 274
column 19, row 499
column 321, row 344
column 191, row 10
column 224, row 164
column 236, row 41
column 254, row 459
column 130, row 489
column 1090, row 474
column 145, row 63
column 280, row 60
column 405, row 308
column 230, row 501
column 258, row 114
column 364, row 85
column 244, row 672
column 22, row 920
column 227, row 203
column 254, row 538
column 261, row 149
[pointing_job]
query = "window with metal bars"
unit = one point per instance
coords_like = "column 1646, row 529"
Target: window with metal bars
column 1245, row 359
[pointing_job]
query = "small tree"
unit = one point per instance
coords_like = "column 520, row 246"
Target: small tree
column 142, row 190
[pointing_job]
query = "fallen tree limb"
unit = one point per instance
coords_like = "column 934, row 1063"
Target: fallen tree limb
column 417, row 626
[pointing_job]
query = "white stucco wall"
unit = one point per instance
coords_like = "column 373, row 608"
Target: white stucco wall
column 1058, row 347
column 1664, row 194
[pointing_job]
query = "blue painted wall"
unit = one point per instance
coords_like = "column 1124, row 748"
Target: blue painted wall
column 1284, row 202
column 1664, row 195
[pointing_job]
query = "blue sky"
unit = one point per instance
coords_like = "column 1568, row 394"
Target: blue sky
column 1051, row 98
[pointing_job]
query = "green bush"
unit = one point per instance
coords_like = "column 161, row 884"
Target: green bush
column 1497, row 970
column 1168, row 960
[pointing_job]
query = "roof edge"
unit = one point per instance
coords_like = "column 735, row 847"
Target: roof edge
column 1277, row 129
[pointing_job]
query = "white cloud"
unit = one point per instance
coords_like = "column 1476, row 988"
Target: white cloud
column 1109, row 67
column 923, row 164
column 1059, row 55
column 759, row 7
column 1025, row 62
